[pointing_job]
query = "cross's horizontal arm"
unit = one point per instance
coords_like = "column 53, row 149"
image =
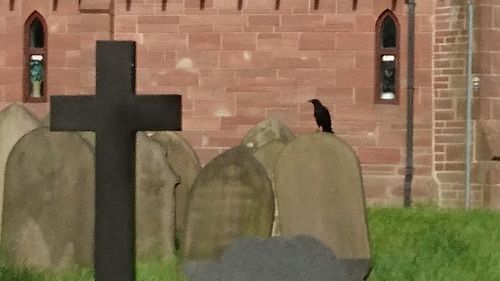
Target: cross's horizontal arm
column 73, row 113
column 156, row 113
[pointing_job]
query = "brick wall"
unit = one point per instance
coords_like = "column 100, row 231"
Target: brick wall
column 487, row 101
column 449, row 94
column 63, row 40
column 234, row 68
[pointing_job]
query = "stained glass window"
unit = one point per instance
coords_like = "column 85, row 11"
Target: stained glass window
column 35, row 58
column 387, row 64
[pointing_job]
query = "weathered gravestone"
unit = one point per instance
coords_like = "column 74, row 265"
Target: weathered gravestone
column 301, row 258
column 320, row 193
column 183, row 160
column 115, row 113
column 15, row 121
column 231, row 197
column 265, row 132
column 48, row 210
column 266, row 141
column 155, row 182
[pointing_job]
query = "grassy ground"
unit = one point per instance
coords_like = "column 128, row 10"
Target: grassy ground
column 421, row 244
column 436, row 245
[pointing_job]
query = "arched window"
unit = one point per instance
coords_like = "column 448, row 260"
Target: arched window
column 387, row 59
column 35, row 58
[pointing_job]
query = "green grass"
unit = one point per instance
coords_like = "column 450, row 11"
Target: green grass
column 420, row 244
column 436, row 245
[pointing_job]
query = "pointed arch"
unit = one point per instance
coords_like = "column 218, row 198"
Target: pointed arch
column 387, row 58
column 35, row 58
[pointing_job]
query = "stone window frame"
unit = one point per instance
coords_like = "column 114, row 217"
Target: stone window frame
column 28, row 52
column 380, row 51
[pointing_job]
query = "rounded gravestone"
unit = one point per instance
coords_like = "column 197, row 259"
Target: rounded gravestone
column 15, row 121
column 185, row 163
column 265, row 132
column 266, row 141
column 49, row 206
column 320, row 193
column 155, row 184
column 231, row 198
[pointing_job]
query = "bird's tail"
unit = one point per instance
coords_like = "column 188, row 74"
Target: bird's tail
column 327, row 130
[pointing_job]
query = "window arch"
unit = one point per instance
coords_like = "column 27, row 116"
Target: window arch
column 35, row 58
column 387, row 59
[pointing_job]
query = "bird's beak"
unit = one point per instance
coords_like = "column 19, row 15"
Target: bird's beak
column 309, row 100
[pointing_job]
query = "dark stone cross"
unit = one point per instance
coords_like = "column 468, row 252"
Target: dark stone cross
column 115, row 113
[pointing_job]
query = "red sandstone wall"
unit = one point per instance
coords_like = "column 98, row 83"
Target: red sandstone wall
column 487, row 101
column 64, row 49
column 236, row 68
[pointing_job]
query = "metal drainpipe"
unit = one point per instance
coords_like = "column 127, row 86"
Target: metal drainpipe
column 468, row 104
column 409, row 118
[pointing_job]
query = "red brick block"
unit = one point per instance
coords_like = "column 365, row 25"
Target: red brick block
column 337, row 59
column 346, row 77
column 95, row 4
column 125, row 24
column 317, row 41
column 355, row 41
column 277, row 41
column 365, row 59
column 379, row 155
column 205, row 59
column 201, row 123
column 95, row 23
column 303, row 20
column 254, row 73
column 218, row 77
column 176, row 78
column 161, row 42
column 196, row 28
column 204, row 41
column 263, row 20
column 239, row 41
column 288, row 116
column 245, row 59
column 155, row 59
column 340, row 22
column 214, row 108
column 206, row 93
column 257, row 99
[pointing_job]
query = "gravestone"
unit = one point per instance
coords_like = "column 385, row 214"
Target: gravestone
column 183, row 160
column 266, row 141
column 48, row 208
column 277, row 259
column 231, row 198
column 155, row 182
column 320, row 193
column 115, row 113
column 265, row 132
column 15, row 121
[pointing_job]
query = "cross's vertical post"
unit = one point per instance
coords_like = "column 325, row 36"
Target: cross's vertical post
column 115, row 114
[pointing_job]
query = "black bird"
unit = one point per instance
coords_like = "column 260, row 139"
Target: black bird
column 322, row 116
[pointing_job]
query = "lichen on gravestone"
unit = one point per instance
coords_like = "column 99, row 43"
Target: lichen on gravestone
column 48, row 207
column 231, row 198
column 15, row 121
column 265, row 132
column 155, row 207
column 185, row 163
column 266, row 141
column 319, row 174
